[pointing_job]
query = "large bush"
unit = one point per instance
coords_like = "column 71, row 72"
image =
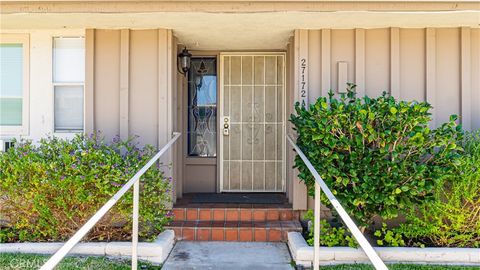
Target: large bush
column 377, row 155
column 453, row 217
column 49, row 190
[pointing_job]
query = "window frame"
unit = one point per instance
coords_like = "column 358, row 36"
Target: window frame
column 188, row 139
column 55, row 84
column 23, row 129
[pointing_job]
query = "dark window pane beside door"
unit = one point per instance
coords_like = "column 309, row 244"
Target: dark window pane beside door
column 202, row 107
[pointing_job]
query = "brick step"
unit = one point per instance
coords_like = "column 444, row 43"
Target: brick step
column 234, row 214
column 258, row 231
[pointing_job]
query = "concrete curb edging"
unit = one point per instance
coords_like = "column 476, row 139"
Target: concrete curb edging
column 302, row 254
column 155, row 252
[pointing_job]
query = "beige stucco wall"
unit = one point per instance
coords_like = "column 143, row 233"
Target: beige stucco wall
column 129, row 88
column 437, row 65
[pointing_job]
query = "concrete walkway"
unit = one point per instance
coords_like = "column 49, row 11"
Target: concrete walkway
column 228, row 255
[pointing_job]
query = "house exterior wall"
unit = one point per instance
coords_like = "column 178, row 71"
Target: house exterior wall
column 131, row 79
column 437, row 65
column 40, row 111
column 130, row 87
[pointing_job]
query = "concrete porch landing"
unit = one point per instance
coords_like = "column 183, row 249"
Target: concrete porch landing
column 188, row 255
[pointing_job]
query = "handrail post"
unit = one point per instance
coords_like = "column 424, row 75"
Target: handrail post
column 316, row 229
column 136, row 195
column 362, row 241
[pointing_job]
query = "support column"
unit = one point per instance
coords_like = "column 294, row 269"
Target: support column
column 299, row 190
column 165, row 100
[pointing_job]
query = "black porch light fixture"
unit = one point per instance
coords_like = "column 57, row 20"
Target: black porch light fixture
column 183, row 64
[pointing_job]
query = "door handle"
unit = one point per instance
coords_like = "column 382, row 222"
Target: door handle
column 226, row 126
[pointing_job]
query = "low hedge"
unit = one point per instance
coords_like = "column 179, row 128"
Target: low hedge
column 48, row 190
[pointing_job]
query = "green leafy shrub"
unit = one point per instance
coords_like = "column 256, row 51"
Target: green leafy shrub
column 329, row 236
column 388, row 237
column 452, row 219
column 377, row 155
column 49, row 190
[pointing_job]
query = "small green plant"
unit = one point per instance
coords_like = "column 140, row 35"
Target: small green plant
column 48, row 190
column 377, row 155
column 330, row 236
column 388, row 237
column 452, row 219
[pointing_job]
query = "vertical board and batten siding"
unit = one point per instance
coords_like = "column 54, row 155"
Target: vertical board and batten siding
column 130, row 86
column 106, row 83
column 296, row 190
column 438, row 65
column 475, row 77
column 144, row 90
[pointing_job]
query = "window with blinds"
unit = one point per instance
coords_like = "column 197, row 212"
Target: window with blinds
column 68, row 83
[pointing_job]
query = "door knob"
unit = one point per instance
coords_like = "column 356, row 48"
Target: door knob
column 226, row 126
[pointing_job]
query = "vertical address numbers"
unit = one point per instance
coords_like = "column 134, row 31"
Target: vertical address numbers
column 303, row 82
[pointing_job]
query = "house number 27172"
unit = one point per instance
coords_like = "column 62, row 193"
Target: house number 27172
column 303, row 82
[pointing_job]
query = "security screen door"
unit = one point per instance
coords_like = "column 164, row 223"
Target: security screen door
column 252, row 122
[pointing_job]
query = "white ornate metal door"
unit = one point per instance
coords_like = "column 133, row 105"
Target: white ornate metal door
column 252, row 122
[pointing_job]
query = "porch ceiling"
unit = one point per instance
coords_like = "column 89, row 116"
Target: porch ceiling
column 239, row 31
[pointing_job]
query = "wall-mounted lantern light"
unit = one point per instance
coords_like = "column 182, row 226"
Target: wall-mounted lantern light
column 184, row 61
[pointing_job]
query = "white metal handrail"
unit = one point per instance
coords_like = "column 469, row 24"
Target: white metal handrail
column 134, row 181
column 319, row 186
